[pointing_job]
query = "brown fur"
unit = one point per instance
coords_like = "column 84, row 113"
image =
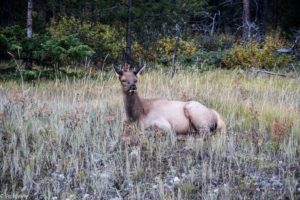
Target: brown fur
column 134, row 107
column 180, row 117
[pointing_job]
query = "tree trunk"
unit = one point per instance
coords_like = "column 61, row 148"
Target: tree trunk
column 29, row 35
column 246, row 20
column 128, row 34
column 262, row 4
column 275, row 14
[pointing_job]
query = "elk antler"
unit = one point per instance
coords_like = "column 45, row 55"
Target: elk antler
column 126, row 67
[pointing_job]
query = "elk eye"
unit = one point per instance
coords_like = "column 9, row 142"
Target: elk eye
column 135, row 81
column 123, row 81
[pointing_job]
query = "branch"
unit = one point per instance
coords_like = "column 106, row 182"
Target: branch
column 257, row 71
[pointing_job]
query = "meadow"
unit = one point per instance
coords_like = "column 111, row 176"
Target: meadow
column 68, row 139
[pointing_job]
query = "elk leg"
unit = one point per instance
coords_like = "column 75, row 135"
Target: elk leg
column 201, row 118
column 164, row 125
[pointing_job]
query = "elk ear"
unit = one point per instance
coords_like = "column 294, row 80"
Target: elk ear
column 118, row 71
column 138, row 71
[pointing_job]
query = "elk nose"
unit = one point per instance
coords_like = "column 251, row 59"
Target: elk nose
column 132, row 87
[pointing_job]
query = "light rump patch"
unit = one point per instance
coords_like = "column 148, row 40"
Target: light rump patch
column 170, row 116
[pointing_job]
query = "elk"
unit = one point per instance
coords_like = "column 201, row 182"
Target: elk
column 169, row 116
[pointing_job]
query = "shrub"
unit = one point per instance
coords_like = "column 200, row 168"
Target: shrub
column 252, row 54
column 4, row 46
column 12, row 39
column 217, row 42
column 103, row 39
column 210, row 57
column 55, row 52
column 141, row 52
column 46, row 50
column 165, row 48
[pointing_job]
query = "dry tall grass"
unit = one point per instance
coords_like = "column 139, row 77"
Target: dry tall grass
column 65, row 139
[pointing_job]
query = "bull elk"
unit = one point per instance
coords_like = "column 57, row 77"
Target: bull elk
column 169, row 116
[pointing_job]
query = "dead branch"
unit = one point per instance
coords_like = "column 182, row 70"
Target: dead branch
column 260, row 71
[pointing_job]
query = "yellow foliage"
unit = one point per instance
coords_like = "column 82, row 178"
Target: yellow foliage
column 140, row 52
column 252, row 54
column 166, row 45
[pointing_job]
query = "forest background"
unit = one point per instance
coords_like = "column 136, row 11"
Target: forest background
column 201, row 33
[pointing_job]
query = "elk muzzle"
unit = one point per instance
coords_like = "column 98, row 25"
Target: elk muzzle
column 132, row 88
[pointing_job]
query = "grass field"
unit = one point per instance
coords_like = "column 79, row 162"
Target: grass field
column 66, row 139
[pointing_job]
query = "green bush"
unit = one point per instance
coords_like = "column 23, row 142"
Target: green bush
column 55, row 52
column 103, row 39
column 12, row 39
column 46, row 50
column 210, row 57
column 4, row 46
column 50, row 53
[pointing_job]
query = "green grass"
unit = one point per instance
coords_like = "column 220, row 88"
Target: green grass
column 65, row 139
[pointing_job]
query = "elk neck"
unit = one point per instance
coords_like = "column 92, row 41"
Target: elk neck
column 133, row 106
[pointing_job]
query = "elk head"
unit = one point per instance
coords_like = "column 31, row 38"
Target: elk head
column 128, row 78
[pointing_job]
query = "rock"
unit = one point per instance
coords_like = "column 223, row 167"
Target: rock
column 134, row 153
column 86, row 196
column 58, row 176
column 176, row 180
column 24, row 189
column 105, row 175
column 61, row 177
column 128, row 184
